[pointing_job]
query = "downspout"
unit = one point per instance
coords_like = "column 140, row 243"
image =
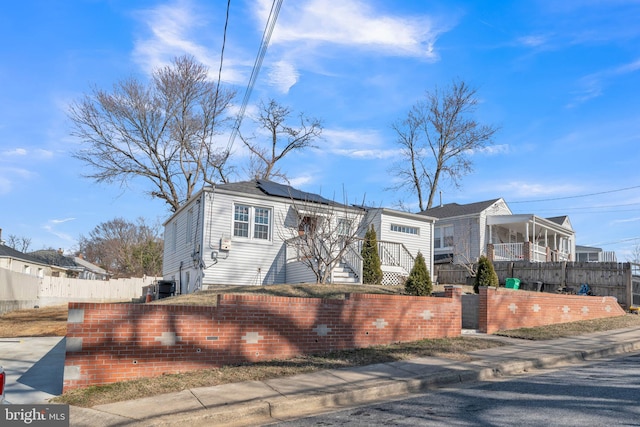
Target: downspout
column 212, row 196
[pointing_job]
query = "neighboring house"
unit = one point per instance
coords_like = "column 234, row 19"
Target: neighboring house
column 246, row 233
column 18, row 262
column 61, row 265
column 90, row 271
column 465, row 232
column 591, row 254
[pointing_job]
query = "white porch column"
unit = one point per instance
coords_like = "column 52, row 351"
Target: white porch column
column 526, row 234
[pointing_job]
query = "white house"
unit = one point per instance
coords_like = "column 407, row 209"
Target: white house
column 18, row 262
column 465, row 232
column 244, row 233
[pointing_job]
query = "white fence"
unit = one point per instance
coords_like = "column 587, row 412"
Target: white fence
column 18, row 291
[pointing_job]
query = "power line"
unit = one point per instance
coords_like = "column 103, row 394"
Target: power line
column 575, row 197
column 224, row 42
column 594, row 207
column 618, row 241
column 266, row 37
column 215, row 100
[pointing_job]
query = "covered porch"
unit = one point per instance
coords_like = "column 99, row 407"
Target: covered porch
column 526, row 237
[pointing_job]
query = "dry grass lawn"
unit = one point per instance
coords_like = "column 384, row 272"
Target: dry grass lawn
column 36, row 322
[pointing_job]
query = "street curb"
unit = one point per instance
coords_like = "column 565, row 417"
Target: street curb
column 338, row 397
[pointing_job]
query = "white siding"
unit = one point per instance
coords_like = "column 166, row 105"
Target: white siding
column 251, row 261
column 297, row 272
column 422, row 242
column 248, row 261
column 181, row 258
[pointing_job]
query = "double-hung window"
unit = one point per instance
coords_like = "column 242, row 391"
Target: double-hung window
column 252, row 222
column 261, row 223
column 443, row 237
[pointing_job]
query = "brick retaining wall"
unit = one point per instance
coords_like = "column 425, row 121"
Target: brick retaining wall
column 107, row 343
column 502, row 309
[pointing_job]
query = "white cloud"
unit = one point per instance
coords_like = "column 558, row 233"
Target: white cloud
column 360, row 144
column 51, row 227
column 61, row 221
column 592, row 85
column 534, row 190
column 308, row 30
column 624, row 221
column 15, row 152
column 532, row 41
column 177, row 29
column 356, row 24
column 494, row 150
column 300, row 181
column 283, row 75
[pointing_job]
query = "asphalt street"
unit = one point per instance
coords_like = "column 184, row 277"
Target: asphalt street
column 596, row 393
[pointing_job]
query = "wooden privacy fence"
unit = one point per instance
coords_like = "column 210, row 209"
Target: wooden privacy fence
column 20, row 291
column 620, row 280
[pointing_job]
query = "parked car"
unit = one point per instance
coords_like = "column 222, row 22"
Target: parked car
column 3, row 379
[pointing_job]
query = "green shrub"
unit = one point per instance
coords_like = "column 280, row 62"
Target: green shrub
column 485, row 274
column 419, row 280
column 371, row 269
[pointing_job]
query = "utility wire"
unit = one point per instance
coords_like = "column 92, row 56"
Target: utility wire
column 215, row 100
column 575, row 197
column 266, row 37
column 594, row 207
column 618, row 241
column 224, row 42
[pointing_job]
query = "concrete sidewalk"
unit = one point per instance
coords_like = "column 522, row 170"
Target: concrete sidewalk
column 262, row 402
column 34, row 368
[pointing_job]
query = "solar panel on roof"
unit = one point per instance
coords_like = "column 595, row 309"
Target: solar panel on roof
column 280, row 190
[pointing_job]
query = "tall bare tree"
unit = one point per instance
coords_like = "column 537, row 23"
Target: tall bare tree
column 282, row 139
column 161, row 131
column 436, row 139
column 19, row 243
column 124, row 248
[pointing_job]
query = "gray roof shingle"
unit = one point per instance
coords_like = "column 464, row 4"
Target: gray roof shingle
column 7, row 252
column 454, row 209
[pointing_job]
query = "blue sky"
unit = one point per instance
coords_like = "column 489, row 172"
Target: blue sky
column 560, row 78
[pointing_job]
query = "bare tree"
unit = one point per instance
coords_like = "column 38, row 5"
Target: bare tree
column 161, row 131
column 323, row 235
column 436, row 139
column 123, row 248
column 634, row 257
column 283, row 139
column 19, row 243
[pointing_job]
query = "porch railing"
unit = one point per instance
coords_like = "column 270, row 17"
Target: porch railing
column 353, row 260
column 392, row 254
column 515, row 252
column 539, row 253
column 508, row 251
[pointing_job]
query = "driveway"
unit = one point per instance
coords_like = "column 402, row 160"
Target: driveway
column 34, row 368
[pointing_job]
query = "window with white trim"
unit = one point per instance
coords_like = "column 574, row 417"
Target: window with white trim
column 252, row 222
column 261, row 223
column 174, row 235
column 189, row 232
column 405, row 229
column 344, row 227
column 443, row 237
